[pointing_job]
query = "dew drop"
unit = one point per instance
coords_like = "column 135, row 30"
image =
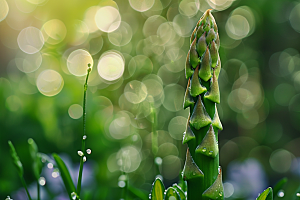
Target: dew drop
column 280, row 193
column 50, row 165
column 220, row 194
column 204, row 149
column 84, row 137
column 88, row 151
column 298, row 194
column 84, row 159
column 73, row 195
column 80, row 153
column 210, row 152
column 42, row 181
column 8, row 198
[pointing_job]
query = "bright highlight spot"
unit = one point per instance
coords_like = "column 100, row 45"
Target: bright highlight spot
column 141, row 5
column 42, row 181
column 78, row 62
column 135, row 92
column 75, row 111
column 30, row 40
column 49, row 82
column 3, row 9
column 108, row 19
column 111, row 65
column 54, row 31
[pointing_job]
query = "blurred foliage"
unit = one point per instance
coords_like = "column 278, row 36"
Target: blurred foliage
column 138, row 51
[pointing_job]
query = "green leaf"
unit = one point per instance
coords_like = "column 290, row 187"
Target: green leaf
column 65, row 175
column 16, row 159
column 158, row 188
column 279, row 185
column 172, row 194
column 37, row 165
column 266, row 195
column 180, row 192
column 138, row 193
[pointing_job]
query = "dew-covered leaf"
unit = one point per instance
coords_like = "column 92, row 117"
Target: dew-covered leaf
column 158, row 188
column 266, row 195
column 172, row 194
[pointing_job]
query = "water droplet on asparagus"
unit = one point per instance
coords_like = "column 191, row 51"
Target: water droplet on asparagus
column 88, row 151
column 84, row 158
column 84, row 137
column 80, row 153
column 220, row 194
column 298, row 194
column 210, row 153
column 204, row 150
column 8, row 198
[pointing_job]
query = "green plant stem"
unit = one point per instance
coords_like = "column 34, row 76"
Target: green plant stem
column 25, row 186
column 38, row 190
column 84, row 130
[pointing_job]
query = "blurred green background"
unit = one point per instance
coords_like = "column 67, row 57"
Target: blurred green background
column 138, row 50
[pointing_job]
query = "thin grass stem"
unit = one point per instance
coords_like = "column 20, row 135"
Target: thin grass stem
column 25, row 186
column 84, row 131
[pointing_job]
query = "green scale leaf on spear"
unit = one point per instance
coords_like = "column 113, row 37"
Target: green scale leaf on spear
column 202, row 171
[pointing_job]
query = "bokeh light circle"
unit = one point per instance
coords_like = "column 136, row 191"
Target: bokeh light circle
column 75, row 111
column 78, row 62
column 120, row 127
column 122, row 35
column 135, row 92
column 295, row 18
column 107, row 19
column 189, row 8
column 29, row 62
column 173, row 97
column 30, row 40
column 111, row 65
column 54, row 31
column 49, row 82
column 281, row 160
column 3, row 9
column 177, row 126
column 237, row 27
column 129, row 159
column 141, row 5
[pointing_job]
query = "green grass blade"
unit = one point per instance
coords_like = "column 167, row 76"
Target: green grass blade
column 158, row 189
column 279, row 185
column 65, row 175
column 37, row 165
column 16, row 159
column 171, row 192
column 266, row 195
column 180, row 192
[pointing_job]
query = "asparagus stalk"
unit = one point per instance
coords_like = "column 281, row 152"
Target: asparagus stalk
column 201, row 170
